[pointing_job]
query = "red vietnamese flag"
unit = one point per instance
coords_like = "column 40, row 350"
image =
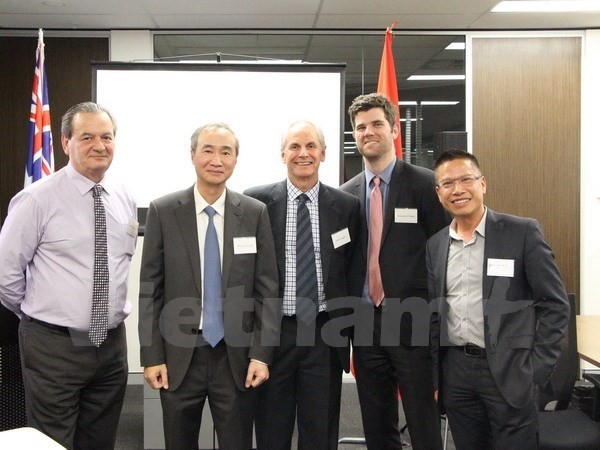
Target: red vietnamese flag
column 387, row 82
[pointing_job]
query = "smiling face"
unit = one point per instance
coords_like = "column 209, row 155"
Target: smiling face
column 91, row 145
column 464, row 201
column 214, row 158
column 302, row 153
column 374, row 135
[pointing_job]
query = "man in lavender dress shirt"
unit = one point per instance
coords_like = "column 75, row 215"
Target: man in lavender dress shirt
column 74, row 389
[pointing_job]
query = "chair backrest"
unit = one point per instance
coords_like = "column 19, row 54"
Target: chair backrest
column 567, row 367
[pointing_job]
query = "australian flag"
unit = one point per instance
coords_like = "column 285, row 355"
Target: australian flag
column 40, row 155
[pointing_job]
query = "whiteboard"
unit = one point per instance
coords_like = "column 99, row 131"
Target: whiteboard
column 157, row 107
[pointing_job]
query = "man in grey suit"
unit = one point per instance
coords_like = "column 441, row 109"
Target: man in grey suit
column 306, row 375
column 409, row 214
column 502, row 312
column 197, row 343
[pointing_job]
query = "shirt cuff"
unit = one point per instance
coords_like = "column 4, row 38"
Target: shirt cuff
column 257, row 361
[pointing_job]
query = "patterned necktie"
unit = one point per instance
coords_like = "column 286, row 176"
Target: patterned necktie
column 99, row 317
column 307, row 293
column 212, row 316
column 375, row 231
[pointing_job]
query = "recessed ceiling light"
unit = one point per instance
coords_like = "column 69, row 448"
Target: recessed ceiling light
column 547, row 6
column 435, row 77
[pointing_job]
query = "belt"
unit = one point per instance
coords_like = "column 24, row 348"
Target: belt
column 60, row 328
column 474, row 351
column 322, row 315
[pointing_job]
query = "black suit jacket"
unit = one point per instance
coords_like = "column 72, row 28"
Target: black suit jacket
column 337, row 210
column 171, row 285
column 525, row 316
column 402, row 254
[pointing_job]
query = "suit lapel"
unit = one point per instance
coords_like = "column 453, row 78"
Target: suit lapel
column 233, row 221
column 493, row 245
column 360, row 192
column 394, row 191
column 185, row 215
column 328, row 215
column 277, row 208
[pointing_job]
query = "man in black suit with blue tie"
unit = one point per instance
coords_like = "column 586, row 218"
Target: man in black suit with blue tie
column 306, row 373
column 399, row 212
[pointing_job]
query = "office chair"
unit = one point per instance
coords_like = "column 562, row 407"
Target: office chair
column 563, row 428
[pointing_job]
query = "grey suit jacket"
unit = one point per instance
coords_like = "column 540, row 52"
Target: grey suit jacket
column 402, row 254
column 525, row 316
column 171, row 285
column 337, row 211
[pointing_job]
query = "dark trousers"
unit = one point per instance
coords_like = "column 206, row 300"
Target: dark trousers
column 74, row 391
column 305, row 382
column 209, row 376
column 380, row 372
column 479, row 416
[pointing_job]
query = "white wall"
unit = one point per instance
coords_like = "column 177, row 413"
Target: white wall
column 590, row 181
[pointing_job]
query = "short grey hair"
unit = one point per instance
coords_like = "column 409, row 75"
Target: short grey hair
column 66, row 127
column 315, row 127
column 213, row 126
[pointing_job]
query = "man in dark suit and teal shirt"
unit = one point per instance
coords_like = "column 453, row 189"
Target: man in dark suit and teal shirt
column 502, row 313
column 313, row 257
column 209, row 264
column 399, row 212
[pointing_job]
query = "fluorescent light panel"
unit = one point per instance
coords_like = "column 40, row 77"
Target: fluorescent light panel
column 429, row 103
column 435, row 77
column 456, row 46
column 547, row 6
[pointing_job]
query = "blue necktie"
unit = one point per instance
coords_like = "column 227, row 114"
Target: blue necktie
column 307, row 293
column 212, row 328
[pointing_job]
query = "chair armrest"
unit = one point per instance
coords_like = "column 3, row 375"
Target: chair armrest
column 594, row 378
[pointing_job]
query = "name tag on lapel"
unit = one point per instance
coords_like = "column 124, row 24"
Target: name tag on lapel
column 405, row 215
column 501, row 267
column 340, row 238
column 244, row 245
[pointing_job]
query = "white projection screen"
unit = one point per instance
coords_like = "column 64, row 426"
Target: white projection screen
column 158, row 106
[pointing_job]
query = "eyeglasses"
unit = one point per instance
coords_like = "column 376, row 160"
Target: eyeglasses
column 464, row 181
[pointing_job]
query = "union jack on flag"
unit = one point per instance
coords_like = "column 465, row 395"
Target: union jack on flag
column 40, row 155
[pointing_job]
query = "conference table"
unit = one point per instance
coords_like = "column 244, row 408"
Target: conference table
column 588, row 339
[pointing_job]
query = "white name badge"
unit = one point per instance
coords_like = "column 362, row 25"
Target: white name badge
column 244, row 245
column 340, row 238
column 132, row 227
column 405, row 215
column 501, row 267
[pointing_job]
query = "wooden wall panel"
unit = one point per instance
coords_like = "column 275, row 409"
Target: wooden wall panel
column 526, row 135
column 69, row 82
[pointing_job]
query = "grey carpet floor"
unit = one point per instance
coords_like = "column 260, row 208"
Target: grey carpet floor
column 130, row 434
